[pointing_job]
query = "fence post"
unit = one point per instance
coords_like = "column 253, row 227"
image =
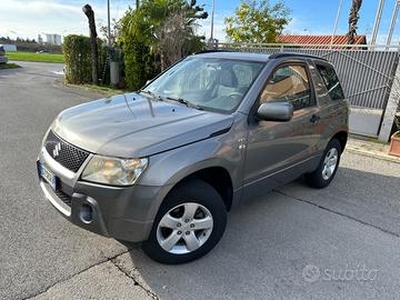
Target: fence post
column 391, row 107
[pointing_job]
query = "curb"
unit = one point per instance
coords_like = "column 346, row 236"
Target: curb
column 373, row 154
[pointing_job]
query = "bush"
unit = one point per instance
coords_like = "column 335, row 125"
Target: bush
column 139, row 64
column 77, row 56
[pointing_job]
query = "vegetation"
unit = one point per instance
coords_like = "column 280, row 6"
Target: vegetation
column 28, row 45
column 257, row 22
column 353, row 20
column 102, row 90
column 78, row 60
column 9, row 66
column 39, row 57
column 156, row 35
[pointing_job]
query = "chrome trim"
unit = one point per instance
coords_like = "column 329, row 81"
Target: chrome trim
column 57, row 203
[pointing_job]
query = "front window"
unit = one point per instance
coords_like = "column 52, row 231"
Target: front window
column 208, row 83
column 289, row 83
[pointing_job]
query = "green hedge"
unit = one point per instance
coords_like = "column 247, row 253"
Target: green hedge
column 77, row 56
column 137, row 61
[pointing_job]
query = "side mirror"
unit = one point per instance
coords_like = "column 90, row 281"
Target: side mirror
column 275, row 111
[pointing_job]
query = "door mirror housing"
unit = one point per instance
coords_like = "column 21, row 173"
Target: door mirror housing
column 275, row 111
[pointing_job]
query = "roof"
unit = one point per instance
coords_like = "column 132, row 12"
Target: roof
column 320, row 39
column 251, row 56
column 261, row 57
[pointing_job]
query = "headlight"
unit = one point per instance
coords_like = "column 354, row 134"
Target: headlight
column 114, row 171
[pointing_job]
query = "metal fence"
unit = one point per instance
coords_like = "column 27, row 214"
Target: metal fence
column 366, row 74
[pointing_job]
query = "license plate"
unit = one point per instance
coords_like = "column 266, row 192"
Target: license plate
column 48, row 176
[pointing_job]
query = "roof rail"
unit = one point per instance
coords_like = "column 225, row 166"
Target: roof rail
column 210, row 51
column 290, row 54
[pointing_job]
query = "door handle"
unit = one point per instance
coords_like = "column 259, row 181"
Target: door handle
column 314, row 119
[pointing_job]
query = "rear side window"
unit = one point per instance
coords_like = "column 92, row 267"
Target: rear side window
column 331, row 82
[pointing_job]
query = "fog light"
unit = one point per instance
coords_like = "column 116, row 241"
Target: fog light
column 86, row 214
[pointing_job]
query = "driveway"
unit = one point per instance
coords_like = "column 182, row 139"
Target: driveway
column 294, row 243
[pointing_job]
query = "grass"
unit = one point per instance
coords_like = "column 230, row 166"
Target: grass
column 38, row 57
column 103, row 90
column 9, row 66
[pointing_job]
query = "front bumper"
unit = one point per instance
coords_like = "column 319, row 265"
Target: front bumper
column 125, row 213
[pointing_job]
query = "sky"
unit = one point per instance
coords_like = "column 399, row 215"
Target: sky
column 28, row 18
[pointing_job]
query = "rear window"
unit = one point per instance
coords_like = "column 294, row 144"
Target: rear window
column 331, row 82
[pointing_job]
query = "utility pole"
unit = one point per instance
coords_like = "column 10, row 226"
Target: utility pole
column 108, row 23
column 212, row 21
column 377, row 22
column 137, row 4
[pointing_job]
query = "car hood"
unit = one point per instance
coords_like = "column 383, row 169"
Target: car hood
column 131, row 125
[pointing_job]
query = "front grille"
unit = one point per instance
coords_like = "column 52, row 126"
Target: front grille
column 64, row 153
column 67, row 199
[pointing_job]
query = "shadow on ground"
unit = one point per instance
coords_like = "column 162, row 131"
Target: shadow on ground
column 271, row 241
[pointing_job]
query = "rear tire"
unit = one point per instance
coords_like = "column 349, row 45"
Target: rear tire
column 189, row 223
column 327, row 167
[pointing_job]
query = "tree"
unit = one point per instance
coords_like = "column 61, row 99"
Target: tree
column 87, row 9
column 115, row 31
column 157, row 34
column 174, row 33
column 353, row 20
column 257, row 22
column 160, row 20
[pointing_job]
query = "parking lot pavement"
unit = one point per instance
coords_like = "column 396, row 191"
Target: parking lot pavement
column 294, row 243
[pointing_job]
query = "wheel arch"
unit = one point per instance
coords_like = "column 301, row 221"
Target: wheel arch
column 342, row 137
column 218, row 177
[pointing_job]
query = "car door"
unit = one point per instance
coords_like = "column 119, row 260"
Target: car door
column 278, row 152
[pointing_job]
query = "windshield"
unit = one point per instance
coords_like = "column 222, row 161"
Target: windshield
column 207, row 83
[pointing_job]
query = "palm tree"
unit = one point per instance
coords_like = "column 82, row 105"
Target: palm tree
column 165, row 25
column 353, row 20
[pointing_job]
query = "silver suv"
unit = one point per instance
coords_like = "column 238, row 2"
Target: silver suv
column 165, row 164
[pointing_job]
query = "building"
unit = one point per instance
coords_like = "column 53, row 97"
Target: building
column 320, row 39
column 52, row 39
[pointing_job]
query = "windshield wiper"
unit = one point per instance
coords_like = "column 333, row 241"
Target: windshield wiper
column 150, row 93
column 185, row 102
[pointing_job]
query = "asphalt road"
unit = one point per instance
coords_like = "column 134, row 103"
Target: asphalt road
column 295, row 243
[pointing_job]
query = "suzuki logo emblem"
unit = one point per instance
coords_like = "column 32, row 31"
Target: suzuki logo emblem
column 56, row 150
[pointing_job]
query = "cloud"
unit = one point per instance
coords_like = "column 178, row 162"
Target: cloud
column 30, row 18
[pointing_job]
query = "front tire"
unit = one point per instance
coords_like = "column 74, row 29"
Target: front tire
column 189, row 223
column 327, row 167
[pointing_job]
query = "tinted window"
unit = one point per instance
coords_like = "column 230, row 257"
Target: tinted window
column 289, row 83
column 331, row 82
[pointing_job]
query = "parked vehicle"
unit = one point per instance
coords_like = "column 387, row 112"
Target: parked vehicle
column 164, row 165
column 3, row 57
